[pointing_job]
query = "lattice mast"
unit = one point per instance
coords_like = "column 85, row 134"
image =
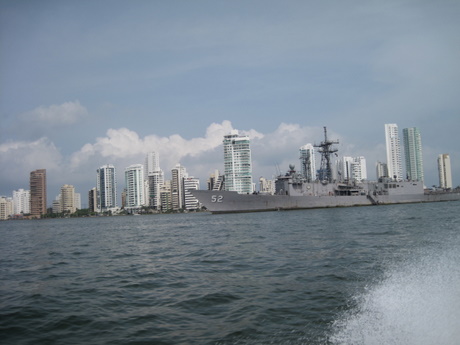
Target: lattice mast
column 325, row 148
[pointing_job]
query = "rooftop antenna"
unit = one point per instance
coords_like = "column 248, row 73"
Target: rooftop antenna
column 325, row 148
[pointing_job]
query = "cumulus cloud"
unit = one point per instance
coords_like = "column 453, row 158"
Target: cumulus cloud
column 124, row 143
column 57, row 114
column 18, row 158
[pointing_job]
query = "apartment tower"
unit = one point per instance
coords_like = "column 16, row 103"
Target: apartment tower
column 68, row 199
column 307, row 162
column 38, row 192
column 177, row 187
column 393, row 146
column 381, row 170
column 21, row 201
column 106, row 188
column 413, row 153
column 92, row 200
column 352, row 169
column 134, row 182
column 237, row 163
column 155, row 179
column 190, row 202
column 359, row 169
column 445, row 172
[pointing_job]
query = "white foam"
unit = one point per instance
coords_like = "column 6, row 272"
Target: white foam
column 418, row 302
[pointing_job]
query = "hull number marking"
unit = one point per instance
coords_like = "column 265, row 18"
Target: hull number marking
column 217, row 198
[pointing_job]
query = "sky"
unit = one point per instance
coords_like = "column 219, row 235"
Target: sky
column 89, row 83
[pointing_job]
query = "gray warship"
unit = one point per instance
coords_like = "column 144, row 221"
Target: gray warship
column 293, row 191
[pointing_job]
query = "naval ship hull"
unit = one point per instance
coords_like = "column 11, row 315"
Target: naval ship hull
column 232, row 202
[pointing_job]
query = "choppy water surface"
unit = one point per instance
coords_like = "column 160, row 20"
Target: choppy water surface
column 367, row 275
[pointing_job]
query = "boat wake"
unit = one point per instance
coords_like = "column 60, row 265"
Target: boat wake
column 417, row 302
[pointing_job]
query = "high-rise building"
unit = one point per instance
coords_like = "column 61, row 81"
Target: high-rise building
column 92, row 200
column 21, row 201
column 134, row 180
column 237, row 163
column 359, row 172
column 123, row 198
column 177, row 187
column 77, row 201
column 445, row 172
column 345, row 169
column 6, row 207
column 166, row 196
column 67, row 199
column 352, row 169
column 190, row 202
column 38, row 192
column 307, row 162
column 381, row 170
column 106, row 188
column 266, row 186
column 393, row 146
column 152, row 163
column 155, row 178
column 216, row 181
column 413, row 153
column 56, row 205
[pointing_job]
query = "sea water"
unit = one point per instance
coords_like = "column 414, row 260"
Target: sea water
column 364, row 275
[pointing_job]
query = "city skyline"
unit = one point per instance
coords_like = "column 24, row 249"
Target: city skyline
column 237, row 152
column 152, row 167
column 85, row 84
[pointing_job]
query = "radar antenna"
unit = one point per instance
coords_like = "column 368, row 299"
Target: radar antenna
column 325, row 148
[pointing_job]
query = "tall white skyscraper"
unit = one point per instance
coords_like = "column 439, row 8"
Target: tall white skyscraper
column 21, row 201
column 345, row 169
column 307, row 162
column 445, row 171
column 78, row 201
column 155, row 179
column 152, row 163
column 359, row 169
column 393, row 147
column 134, row 182
column 106, row 188
column 352, row 169
column 237, row 163
column 381, row 170
column 191, row 183
column 413, row 153
column 178, row 173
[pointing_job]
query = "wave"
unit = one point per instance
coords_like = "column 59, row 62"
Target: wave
column 417, row 302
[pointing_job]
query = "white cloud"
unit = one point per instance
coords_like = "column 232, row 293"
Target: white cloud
column 124, row 143
column 18, row 158
column 66, row 113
